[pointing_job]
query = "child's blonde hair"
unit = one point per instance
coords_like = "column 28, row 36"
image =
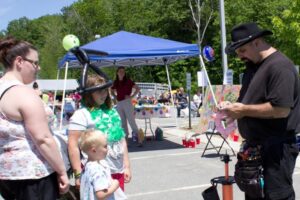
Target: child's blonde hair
column 90, row 138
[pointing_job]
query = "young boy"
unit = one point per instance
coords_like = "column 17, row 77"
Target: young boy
column 96, row 181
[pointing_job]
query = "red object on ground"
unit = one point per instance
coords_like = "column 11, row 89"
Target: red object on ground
column 192, row 143
column 184, row 142
column 187, row 143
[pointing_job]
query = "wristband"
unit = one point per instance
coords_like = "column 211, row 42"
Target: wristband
column 77, row 175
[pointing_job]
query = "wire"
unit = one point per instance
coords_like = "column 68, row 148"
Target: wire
column 80, row 20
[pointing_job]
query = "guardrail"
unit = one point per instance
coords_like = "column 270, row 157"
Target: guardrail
column 152, row 89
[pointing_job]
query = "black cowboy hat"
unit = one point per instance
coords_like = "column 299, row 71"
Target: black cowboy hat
column 243, row 34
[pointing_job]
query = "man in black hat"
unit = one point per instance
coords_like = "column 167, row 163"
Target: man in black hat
column 267, row 109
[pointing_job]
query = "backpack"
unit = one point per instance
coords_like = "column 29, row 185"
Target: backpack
column 159, row 134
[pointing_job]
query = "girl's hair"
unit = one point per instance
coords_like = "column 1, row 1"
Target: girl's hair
column 88, row 99
column 117, row 81
column 89, row 138
column 10, row 48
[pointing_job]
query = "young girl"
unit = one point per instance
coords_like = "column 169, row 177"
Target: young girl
column 96, row 181
column 124, row 89
column 97, row 113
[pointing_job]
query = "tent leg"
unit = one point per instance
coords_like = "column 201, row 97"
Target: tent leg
column 169, row 83
column 170, row 90
column 208, row 80
column 63, row 96
column 55, row 92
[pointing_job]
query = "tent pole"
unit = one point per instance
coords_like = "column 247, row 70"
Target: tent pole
column 208, row 80
column 55, row 92
column 63, row 96
column 169, row 82
column 170, row 89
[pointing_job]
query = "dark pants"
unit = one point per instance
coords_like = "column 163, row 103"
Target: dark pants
column 292, row 197
column 279, row 161
column 31, row 189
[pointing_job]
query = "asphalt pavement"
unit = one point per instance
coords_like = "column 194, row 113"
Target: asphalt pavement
column 166, row 170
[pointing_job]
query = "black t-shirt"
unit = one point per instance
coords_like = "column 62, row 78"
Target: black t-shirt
column 181, row 98
column 274, row 80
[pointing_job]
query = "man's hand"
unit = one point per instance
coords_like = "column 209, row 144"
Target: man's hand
column 233, row 110
column 223, row 104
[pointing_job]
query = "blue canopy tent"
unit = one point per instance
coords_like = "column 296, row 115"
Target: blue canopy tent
column 131, row 49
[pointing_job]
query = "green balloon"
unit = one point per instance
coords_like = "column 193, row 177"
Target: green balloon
column 70, row 41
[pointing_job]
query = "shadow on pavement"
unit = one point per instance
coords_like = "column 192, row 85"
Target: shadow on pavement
column 167, row 126
column 215, row 155
column 152, row 145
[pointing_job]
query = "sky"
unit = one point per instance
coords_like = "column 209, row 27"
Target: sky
column 32, row 9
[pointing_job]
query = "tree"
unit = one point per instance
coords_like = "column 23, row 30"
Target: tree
column 197, row 10
column 287, row 30
column 261, row 12
column 170, row 19
column 52, row 27
column 20, row 29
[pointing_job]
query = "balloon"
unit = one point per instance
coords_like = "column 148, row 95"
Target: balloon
column 70, row 41
column 208, row 53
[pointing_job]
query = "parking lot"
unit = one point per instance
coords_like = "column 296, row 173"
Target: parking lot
column 166, row 170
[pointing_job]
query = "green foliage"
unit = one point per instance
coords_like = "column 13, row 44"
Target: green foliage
column 287, row 30
column 261, row 12
column 50, row 43
column 170, row 19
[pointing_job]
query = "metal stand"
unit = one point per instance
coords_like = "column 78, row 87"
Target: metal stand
column 209, row 135
column 226, row 180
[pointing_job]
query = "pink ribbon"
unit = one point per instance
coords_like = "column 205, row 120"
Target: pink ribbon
column 224, row 124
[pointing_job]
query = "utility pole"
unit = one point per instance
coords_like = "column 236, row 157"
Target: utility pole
column 223, row 39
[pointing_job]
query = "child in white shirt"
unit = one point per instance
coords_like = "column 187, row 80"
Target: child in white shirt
column 96, row 181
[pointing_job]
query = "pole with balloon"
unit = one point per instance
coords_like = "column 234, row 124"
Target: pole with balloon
column 71, row 43
column 208, row 53
column 224, row 125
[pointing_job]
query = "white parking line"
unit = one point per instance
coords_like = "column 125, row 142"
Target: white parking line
column 296, row 173
column 169, row 190
column 176, row 189
column 165, row 155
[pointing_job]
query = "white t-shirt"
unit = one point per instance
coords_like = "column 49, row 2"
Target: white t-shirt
column 81, row 120
column 95, row 177
column 197, row 99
